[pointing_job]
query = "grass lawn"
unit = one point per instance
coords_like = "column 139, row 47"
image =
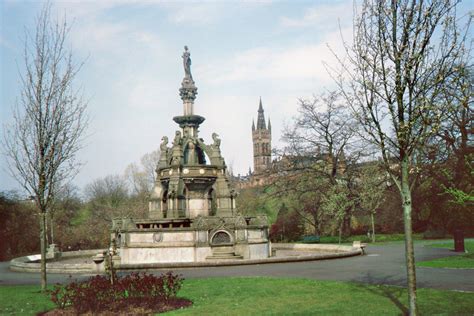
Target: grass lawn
column 461, row 261
column 256, row 296
column 379, row 239
column 23, row 300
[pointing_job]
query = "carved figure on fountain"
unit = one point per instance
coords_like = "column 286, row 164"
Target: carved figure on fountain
column 164, row 153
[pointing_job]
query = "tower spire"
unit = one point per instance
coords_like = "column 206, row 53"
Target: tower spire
column 261, row 117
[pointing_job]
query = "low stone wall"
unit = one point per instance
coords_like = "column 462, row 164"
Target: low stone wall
column 332, row 248
column 304, row 252
column 30, row 264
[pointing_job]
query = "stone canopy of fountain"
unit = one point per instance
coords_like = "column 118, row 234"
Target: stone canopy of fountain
column 193, row 216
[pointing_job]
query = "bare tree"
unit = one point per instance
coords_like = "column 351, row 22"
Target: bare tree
column 323, row 130
column 394, row 76
column 49, row 120
column 142, row 177
column 108, row 197
column 320, row 147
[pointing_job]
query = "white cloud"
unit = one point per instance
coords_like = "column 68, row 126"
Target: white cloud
column 193, row 13
column 322, row 16
column 93, row 8
column 263, row 63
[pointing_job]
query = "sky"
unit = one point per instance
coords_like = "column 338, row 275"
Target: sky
column 240, row 51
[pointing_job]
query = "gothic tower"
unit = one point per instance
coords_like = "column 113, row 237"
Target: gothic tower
column 262, row 142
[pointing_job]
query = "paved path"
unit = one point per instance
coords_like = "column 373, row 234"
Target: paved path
column 382, row 265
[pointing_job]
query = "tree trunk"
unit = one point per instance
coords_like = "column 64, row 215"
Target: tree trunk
column 46, row 230
column 340, row 231
column 51, row 224
column 409, row 251
column 373, row 226
column 43, row 250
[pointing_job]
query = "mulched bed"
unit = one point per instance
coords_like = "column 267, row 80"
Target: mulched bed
column 172, row 304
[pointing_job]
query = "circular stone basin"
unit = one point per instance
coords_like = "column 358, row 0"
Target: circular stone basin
column 85, row 261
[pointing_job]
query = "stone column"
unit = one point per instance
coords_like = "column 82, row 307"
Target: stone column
column 154, row 205
column 173, row 191
column 188, row 107
column 224, row 201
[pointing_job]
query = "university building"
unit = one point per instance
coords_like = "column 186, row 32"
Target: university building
column 262, row 152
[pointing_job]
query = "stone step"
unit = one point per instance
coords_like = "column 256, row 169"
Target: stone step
column 224, row 257
column 223, row 254
column 222, row 249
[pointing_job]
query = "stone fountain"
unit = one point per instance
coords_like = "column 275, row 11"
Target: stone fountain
column 192, row 211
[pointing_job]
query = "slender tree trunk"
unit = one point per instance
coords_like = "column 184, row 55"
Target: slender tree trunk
column 43, row 250
column 46, row 230
column 51, row 224
column 340, row 231
column 409, row 251
column 373, row 226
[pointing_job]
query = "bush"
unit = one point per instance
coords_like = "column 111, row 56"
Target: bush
column 287, row 227
column 98, row 294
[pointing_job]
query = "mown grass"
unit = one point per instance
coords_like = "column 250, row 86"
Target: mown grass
column 262, row 295
column 382, row 238
column 23, row 300
column 465, row 261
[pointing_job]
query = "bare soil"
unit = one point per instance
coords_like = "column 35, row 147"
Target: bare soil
column 171, row 304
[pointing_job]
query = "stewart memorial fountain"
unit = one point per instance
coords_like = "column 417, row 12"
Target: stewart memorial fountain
column 192, row 211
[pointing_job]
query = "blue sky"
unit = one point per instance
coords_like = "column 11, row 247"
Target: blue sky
column 239, row 50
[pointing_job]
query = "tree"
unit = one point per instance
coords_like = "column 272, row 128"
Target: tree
column 322, row 130
column 15, row 215
column 66, row 205
column 445, row 187
column 108, row 197
column 49, row 120
column 394, row 76
column 304, row 192
column 142, row 177
column 455, row 133
column 371, row 193
column 287, row 226
column 253, row 201
column 319, row 155
column 338, row 203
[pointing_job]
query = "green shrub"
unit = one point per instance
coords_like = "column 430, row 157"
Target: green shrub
column 98, row 294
